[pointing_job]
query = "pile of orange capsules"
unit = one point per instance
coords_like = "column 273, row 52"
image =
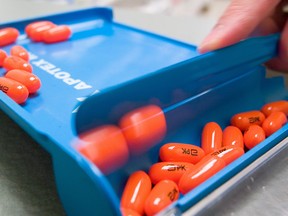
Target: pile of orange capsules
column 185, row 166
column 19, row 82
column 182, row 166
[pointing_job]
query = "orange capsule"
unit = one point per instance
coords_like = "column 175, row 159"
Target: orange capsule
column 20, row 52
column 57, row 34
column 31, row 81
column 211, row 137
column 180, row 152
column 163, row 194
column 105, row 146
column 36, row 34
column 245, row 119
column 203, row 170
column 32, row 26
column 168, row 170
column 232, row 136
column 280, row 105
column 136, row 191
column 253, row 136
column 129, row 212
column 227, row 153
column 8, row 36
column 14, row 62
column 3, row 56
column 143, row 128
column 15, row 90
column 274, row 122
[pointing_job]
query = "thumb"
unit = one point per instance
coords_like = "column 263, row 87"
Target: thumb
column 281, row 62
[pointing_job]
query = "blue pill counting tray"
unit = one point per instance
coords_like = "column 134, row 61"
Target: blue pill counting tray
column 105, row 65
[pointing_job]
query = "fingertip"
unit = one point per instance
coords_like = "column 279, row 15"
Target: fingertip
column 208, row 45
column 204, row 48
column 214, row 40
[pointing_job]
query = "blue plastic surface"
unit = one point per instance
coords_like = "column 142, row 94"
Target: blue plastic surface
column 119, row 68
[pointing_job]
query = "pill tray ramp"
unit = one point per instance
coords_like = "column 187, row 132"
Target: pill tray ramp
column 102, row 57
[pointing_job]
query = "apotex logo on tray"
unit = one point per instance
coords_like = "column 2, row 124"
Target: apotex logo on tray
column 58, row 73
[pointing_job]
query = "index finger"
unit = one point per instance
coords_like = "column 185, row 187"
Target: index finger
column 238, row 21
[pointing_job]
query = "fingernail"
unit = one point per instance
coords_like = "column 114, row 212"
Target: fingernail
column 211, row 42
column 208, row 45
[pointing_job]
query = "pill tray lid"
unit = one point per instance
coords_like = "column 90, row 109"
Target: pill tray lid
column 160, row 84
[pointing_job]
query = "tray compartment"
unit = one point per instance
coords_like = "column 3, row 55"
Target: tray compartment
column 187, row 118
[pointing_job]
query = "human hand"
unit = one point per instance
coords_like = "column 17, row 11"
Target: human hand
column 244, row 18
